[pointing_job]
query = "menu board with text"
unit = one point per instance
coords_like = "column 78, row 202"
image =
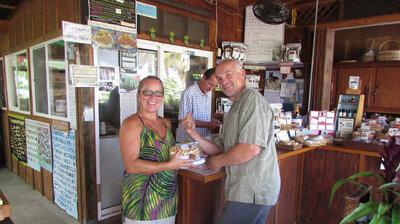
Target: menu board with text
column 119, row 12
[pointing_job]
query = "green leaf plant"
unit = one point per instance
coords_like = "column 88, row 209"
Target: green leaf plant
column 172, row 36
column 387, row 209
column 153, row 33
column 186, row 40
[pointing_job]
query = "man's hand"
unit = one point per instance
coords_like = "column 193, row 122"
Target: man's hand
column 215, row 123
column 211, row 163
column 188, row 124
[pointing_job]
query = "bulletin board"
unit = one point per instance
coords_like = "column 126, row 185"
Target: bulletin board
column 264, row 40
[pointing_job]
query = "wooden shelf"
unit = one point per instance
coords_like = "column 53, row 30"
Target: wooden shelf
column 268, row 64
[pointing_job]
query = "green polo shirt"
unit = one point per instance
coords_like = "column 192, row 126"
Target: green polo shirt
column 250, row 121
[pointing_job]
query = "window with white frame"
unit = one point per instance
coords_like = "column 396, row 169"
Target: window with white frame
column 17, row 76
column 49, row 79
column 2, row 86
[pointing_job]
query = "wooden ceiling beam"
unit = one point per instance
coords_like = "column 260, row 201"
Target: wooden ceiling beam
column 4, row 26
column 232, row 3
column 244, row 3
column 8, row 7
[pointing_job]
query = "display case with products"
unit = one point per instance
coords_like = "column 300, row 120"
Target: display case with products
column 349, row 112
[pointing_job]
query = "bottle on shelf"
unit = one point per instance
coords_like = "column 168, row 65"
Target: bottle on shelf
column 349, row 113
column 344, row 113
column 340, row 112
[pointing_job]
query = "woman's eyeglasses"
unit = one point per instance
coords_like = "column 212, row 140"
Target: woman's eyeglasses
column 150, row 93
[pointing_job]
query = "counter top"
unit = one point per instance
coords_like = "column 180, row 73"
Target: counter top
column 205, row 175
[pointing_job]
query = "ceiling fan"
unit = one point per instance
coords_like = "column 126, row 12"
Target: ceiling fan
column 271, row 11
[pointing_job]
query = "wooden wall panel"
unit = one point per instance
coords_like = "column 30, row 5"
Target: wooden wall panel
column 321, row 171
column 230, row 24
column 14, row 164
column 48, row 184
column 66, row 8
column 29, row 175
column 50, row 16
column 19, row 28
column 318, row 71
column 21, row 171
column 13, row 33
column 6, row 138
column 38, row 28
column 38, row 181
column 28, row 20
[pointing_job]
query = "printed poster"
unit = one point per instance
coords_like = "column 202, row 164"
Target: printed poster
column 64, row 171
column 128, row 61
column 32, row 148
column 16, row 125
column 44, row 144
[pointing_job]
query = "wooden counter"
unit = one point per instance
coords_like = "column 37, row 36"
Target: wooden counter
column 307, row 176
column 4, row 209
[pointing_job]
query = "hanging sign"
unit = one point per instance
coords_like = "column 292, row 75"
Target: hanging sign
column 147, row 10
column 285, row 67
column 77, row 33
column 128, row 61
column 83, row 75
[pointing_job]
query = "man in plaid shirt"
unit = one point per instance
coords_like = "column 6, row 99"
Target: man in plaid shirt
column 196, row 99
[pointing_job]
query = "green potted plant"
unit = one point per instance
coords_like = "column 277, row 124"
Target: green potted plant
column 386, row 210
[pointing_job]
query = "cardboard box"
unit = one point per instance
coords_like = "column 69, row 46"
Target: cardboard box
column 5, row 208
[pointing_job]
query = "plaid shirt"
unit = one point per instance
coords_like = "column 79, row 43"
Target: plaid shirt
column 199, row 105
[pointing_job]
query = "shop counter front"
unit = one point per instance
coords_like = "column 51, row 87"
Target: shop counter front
column 5, row 211
column 307, row 176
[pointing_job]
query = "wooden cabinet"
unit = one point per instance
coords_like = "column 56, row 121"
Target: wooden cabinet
column 385, row 93
column 380, row 83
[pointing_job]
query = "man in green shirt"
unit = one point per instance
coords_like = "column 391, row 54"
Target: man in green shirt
column 245, row 147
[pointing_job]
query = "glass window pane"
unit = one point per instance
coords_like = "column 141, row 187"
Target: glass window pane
column 11, row 69
column 176, row 66
column 109, row 101
column 56, row 63
column 39, row 72
column 2, row 86
column 181, row 71
column 22, row 82
column 147, row 63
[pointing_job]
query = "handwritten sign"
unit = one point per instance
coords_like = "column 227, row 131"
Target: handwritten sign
column 76, row 33
column 83, row 75
column 264, row 41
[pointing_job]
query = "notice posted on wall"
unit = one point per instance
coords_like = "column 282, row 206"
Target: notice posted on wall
column 38, row 145
column 264, row 40
column 16, row 125
column 64, row 171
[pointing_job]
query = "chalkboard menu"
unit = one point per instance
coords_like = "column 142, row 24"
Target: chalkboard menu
column 119, row 12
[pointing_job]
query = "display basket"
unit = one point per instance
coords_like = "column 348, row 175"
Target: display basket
column 389, row 55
